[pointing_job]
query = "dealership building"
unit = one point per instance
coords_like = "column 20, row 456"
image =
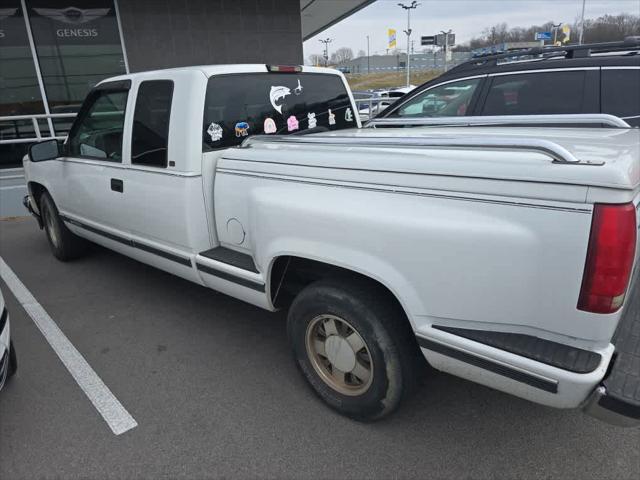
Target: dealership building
column 53, row 51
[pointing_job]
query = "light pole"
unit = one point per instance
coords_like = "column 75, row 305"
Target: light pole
column 446, row 46
column 555, row 32
column 581, row 23
column 408, row 8
column 368, row 57
column 326, row 42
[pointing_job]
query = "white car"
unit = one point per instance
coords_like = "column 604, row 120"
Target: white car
column 8, row 361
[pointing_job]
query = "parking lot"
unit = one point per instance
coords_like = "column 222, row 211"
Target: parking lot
column 214, row 391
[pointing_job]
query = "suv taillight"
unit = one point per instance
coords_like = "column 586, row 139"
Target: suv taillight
column 612, row 247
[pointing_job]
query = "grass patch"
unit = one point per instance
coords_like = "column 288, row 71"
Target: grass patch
column 389, row 79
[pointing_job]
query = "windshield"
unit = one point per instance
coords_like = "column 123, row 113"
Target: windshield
column 241, row 105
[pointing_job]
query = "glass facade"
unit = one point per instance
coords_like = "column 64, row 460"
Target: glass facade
column 75, row 44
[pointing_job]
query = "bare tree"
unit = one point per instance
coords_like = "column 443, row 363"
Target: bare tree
column 341, row 55
column 361, row 53
column 316, row 59
column 608, row 28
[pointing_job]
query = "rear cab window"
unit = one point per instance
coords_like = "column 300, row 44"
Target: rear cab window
column 620, row 94
column 240, row 105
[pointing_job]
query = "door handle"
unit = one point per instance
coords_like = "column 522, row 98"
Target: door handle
column 117, row 185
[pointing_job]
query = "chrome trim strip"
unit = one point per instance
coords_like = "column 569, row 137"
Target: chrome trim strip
column 391, row 189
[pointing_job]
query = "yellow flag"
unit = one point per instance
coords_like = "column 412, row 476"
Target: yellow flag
column 392, row 38
column 566, row 29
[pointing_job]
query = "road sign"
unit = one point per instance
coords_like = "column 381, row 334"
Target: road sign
column 451, row 39
column 430, row 40
column 543, row 36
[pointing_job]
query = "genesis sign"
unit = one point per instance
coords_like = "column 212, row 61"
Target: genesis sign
column 73, row 16
column 58, row 23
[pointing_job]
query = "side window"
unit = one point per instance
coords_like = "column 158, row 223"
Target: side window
column 543, row 93
column 98, row 133
column 448, row 100
column 621, row 94
column 150, row 135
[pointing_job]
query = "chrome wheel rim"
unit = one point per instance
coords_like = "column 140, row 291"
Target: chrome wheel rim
column 51, row 229
column 339, row 355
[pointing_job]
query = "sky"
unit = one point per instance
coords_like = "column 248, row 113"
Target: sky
column 467, row 19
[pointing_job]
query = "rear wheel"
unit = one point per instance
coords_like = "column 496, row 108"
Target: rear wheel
column 64, row 244
column 354, row 346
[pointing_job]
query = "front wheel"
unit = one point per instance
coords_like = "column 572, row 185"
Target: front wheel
column 354, row 346
column 65, row 245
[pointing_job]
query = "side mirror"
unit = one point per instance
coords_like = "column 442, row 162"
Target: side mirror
column 47, row 150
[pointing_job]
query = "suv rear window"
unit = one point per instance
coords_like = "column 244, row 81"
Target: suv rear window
column 621, row 94
column 536, row 93
column 237, row 106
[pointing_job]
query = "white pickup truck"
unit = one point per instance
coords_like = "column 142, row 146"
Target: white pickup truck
column 505, row 255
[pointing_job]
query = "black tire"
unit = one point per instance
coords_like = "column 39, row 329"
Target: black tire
column 390, row 344
column 64, row 244
column 13, row 360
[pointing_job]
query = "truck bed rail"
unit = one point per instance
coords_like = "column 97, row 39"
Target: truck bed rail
column 555, row 152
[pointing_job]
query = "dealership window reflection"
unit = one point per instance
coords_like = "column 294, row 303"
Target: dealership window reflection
column 76, row 46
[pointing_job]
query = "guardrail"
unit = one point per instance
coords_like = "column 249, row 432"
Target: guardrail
column 370, row 107
column 36, row 127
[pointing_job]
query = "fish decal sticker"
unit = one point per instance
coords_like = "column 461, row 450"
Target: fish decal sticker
column 278, row 93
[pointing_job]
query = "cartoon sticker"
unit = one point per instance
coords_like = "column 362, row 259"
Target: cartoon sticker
column 242, row 129
column 278, row 93
column 215, row 132
column 348, row 115
column 298, row 89
column 332, row 118
column 292, row 123
column 269, row 126
column 311, row 118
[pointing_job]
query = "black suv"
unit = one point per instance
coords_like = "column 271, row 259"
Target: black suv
column 595, row 78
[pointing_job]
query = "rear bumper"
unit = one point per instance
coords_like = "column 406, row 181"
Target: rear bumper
column 617, row 399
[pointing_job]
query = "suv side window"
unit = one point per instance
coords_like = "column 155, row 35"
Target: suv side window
column 621, row 94
column 98, row 132
column 448, row 100
column 536, row 93
column 150, row 135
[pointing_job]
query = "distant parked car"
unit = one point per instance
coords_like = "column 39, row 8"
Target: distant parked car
column 596, row 78
column 8, row 360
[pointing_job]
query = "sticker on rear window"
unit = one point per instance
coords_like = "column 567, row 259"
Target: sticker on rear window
column 215, row 132
column 270, row 126
column 242, row 129
column 292, row 123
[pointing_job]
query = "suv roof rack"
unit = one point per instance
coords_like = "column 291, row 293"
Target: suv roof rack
column 542, row 53
column 566, row 120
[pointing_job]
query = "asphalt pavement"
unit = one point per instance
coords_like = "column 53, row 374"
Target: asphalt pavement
column 214, row 390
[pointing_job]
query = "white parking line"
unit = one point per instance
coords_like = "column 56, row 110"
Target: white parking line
column 118, row 419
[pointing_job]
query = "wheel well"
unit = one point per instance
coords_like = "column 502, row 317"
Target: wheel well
column 291, row 274
column 36, row 190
